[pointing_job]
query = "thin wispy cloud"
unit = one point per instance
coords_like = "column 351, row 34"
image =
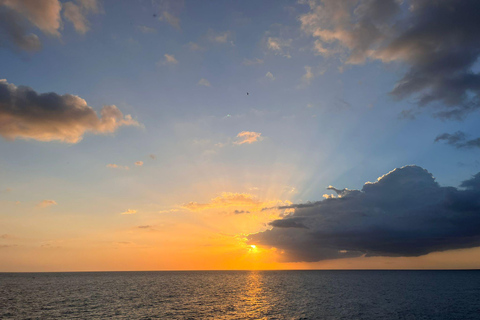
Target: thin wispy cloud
column 248, row 137
column 139, row 163
column 252, row 62
column 129, row 211
column 204, row 82
column 46, row 203
column 76, row 12
column 116, row 166
column 169, row 59
column 269, row 76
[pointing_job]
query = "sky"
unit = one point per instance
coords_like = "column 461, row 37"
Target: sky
column 205, row 135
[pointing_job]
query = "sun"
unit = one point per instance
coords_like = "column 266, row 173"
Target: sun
column 253, row 246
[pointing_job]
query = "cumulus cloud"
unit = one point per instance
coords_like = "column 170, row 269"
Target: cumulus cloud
column 248, row 137
column 26, row 114
column 18, row 16
column 404, row 213
column 76, row 12
column 239, row 202
column 46, row 203
column 440, row 55
column 204, row 82
column 458, row 140
column 129, row 211
column 45, row 14
column 139, row 163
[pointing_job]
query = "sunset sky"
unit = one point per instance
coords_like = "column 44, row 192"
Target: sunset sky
column 165, row 135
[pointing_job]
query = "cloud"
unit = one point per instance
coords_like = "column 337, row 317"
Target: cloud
column 139, row 163
column 145, row 29
column 194, row 46
column 26, row 114
column 169, row 11
column 204, row 82
column 240, row 202
column 252, row 62
column 169, row 60
column 129, row 211
column 76, row 13
column 248, row 137
column 46, row 203
column 404, row 213
column 308, row 76
column 219, row 37
column 458, row 140
column 278, row 45
column 152, row 156
column 116, row 166
column 45, row 15
column 269, row 76
column 439, row 55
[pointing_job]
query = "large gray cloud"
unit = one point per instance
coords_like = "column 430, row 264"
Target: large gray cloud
column 438, row 40
column 404, row 213
column 27, row 114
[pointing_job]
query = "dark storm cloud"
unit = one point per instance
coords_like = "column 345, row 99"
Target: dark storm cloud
column 27, row 114
column 288, row 223
column 404, row 213
column 458, row 140
column 438, row 40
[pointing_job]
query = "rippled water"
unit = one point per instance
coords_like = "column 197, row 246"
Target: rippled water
column 242, row 295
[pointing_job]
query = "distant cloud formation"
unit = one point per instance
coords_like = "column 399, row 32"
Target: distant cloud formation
column 116, row 166
column 440, row 55
column 308, row 76
column 248, row 137
column 237, row 203
column 169, row 60
column 18, row 16
column 169, row 11
column 248, row 62
column 204, row 82
column 77, row 11
column 139, row 163
column 145, row 29
column 458, row 140
column 404, row 213
column 219, row 37
column 152, row 156
column 46, row 203
column 269, row 76
column 130, row 211
column 26, row 114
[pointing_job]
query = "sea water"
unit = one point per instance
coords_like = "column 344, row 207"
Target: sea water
column 241, row 295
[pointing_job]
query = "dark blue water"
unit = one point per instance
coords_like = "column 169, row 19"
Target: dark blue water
column 242, row 295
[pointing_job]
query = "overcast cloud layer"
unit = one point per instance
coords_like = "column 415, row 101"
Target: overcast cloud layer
column 438, row 40
column 404, row 213
column 27, row 114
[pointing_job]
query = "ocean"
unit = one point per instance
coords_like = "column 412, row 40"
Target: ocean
column 241, row 295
